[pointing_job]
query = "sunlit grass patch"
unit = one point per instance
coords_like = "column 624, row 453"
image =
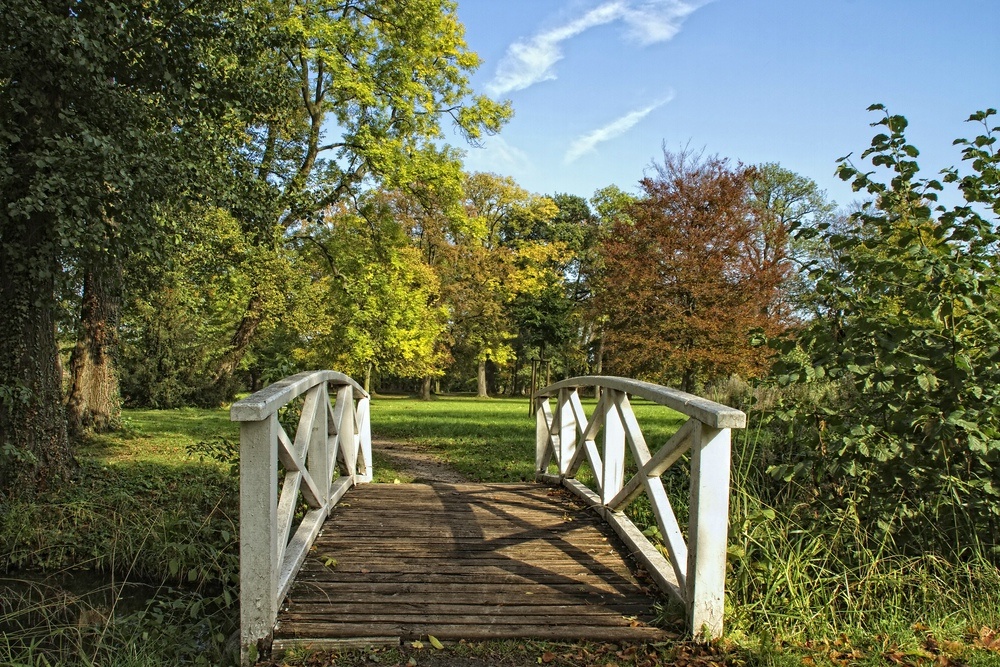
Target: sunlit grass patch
column 160, row 436
column 489, row 440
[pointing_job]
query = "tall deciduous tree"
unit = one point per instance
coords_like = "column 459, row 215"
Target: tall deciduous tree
column 379, row 306
column 784, row 202
column 373, row 83
column 492, row 260
column 107, row 109
column 684, row 282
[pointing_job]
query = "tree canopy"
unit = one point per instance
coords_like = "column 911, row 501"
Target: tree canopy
column 116, row 116
column 690, row 273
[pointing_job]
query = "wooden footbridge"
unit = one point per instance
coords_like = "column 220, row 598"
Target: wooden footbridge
column 328, row 560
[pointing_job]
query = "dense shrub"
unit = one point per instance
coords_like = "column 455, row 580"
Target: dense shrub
column 908, row 342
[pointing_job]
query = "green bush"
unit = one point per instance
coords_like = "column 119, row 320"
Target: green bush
column 908, row 345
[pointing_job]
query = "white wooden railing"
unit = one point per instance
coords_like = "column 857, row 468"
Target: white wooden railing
column 565, row 438
column 271, row 553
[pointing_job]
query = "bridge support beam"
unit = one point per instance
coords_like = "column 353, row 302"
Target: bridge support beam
column 258, row 534
column 708, row 531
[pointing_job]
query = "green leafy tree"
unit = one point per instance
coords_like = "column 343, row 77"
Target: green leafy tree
column 910, row 336
column 370, row 85
column 379, row 309
column 99, row 126
column 611, row 205
column 784, row 201
column 552, row 324
column 177, row 314
column 491, row 261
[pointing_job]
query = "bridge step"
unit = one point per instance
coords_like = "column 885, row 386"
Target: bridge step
column 399, row 562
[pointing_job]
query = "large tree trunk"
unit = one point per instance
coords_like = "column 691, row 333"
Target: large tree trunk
column 238, row 345
column 94, row 398
column 34, row 448
column 481, row 380
column 600, row 354
column 425, row 389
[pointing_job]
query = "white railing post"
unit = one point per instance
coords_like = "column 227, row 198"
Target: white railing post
column 345, row 430
column 543, row 424
column 614, row 449
column 708, row 530
column 567, row 430
column 258, row 532
column 365, row 435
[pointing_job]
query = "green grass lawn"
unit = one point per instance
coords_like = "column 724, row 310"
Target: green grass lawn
column 160, row 436
column 489, row 440
column 486, row 439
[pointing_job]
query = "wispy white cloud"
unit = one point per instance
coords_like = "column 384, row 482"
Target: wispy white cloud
column 498, row 155
column 528, row 62
column 658, row 21
column 532, row 60
column 588, row 142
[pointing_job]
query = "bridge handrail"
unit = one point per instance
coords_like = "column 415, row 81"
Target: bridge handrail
column 708, row 412
column 271, row 552
column 695, row 571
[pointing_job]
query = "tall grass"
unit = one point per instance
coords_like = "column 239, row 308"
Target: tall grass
column 805, row 573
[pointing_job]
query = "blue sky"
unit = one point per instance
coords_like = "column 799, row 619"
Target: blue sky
column 599, row 85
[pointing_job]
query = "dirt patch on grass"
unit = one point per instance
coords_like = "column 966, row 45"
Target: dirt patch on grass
column 418, row 461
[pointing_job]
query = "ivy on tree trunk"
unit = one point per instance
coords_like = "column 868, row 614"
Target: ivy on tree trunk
column 35, row 450
column 94, row 399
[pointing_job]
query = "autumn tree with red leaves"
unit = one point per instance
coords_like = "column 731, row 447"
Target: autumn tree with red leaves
column 692, row 271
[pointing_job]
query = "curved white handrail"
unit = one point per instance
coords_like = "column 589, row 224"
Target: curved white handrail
column 271, row 398
column 272, row 549
column 708, row 412
column 694, row 569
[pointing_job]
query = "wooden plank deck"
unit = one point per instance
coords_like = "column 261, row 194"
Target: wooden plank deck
column 467, row 561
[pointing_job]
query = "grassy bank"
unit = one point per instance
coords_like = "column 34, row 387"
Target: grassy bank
column 153, row 507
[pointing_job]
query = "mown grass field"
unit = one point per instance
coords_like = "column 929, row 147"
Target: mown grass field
column 487, row 439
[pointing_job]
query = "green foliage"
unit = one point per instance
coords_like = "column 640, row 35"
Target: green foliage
column 376, row 305
column 909, row 340
column 146, row 516
column 101, row 125
column 131, row 522
column 178, row 322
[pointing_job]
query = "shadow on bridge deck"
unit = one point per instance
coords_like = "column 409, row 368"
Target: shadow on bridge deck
column 463, row 561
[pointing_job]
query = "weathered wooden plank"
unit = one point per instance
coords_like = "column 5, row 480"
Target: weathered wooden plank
column 552, row 559
column 526, row 605
column 402, row 584
column 495, row 615
column 534, row 573
column 580, row 540
column 463, row 611
column 464, row 562
column 464, row 631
